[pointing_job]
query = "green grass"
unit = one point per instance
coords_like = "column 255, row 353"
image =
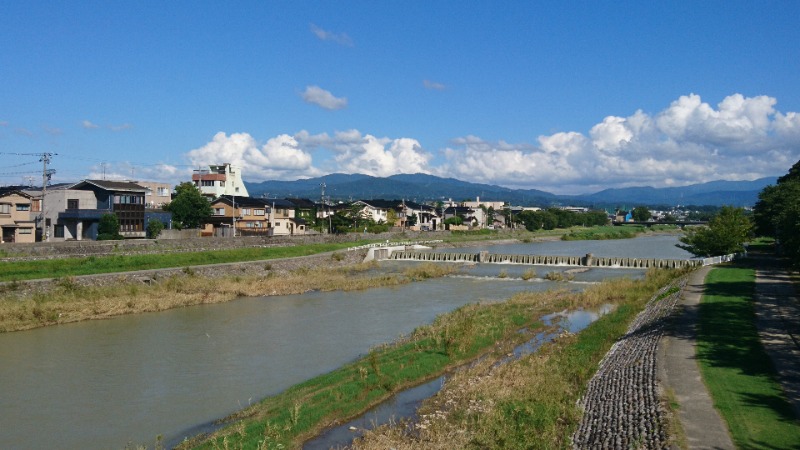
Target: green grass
column 300, row 412
column 285, row 420
column 604, row 232
column 737, row 371
column 55, row 268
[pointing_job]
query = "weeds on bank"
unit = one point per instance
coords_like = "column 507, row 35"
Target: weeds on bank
column 531, row 402
column 604, row 232
column 539, row 402
column 72, row 302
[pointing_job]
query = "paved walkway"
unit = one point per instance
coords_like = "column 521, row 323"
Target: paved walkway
column 778, row 320
column 679, row 372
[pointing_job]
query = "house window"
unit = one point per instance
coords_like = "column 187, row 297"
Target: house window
column 5, row 208
column 72, row 203
column 58, row 231
column 245, row 211
column 207, row 183
column 258, row 212
column 163, row 192
column 237, row 189
column 219, row 211
column 23, row 206
column 25, row 231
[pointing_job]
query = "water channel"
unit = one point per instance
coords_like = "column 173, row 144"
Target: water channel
column 104, row 384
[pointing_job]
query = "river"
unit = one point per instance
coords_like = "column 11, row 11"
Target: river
column 105, row 384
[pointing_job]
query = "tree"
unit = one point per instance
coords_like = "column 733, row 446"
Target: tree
column 108, row 228
column 189, row 208
column 154, row 228
column 412, row 220
column 641, row 214
column 726, row 233
column 777, row 213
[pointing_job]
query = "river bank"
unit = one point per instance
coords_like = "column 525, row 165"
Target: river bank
column 487, row 330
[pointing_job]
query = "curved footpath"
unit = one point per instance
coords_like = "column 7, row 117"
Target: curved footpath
column 680, row 374
column 778, row 320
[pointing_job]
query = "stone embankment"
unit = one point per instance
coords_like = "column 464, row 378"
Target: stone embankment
column 23, row 289
column 72, row 249
column 622, row 407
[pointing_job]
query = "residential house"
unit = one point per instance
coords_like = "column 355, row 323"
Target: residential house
column 468, row 215
column 481, row 211
column 219, row 180
column 304, row 209
column 75, row 212
column 157, row 194
column 17, row 220
column 427, row 217
column 252, row 217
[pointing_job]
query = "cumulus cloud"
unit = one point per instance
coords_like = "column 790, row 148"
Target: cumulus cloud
column 428, row 84
column 324, row 35
column 322, row 98
column 89, row 125
column 280, row 158
column 370, row 155
column 690, row 141
column 286, row 157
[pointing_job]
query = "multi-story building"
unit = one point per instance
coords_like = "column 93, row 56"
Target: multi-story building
column 219, row 180
column 17, row 216
column 75, row 212
column 157, row 194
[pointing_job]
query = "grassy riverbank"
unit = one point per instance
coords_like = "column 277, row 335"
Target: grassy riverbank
column 736, row 369
column 72, row 302
column 545, row 386
column 69, row 267
column 614, row 232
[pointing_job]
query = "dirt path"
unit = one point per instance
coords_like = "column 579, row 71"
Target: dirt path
column 778, row 321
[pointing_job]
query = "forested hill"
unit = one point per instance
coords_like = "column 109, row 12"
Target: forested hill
column 423, row 188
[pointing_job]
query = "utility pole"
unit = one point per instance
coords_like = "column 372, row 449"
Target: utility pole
column 47, row 174
column 322, row 200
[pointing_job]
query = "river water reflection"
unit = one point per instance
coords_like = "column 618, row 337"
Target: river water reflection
column 103, row 384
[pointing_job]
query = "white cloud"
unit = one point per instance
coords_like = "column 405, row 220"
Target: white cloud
column 324, row 35
column 367, row 154
column 281, row 158
column 322, row 98
column 3, row 123
column 690, row 141
column 89, row 125
column 428, row 84
column 123, row 127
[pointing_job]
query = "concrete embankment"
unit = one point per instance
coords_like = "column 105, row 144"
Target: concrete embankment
column 588, row 260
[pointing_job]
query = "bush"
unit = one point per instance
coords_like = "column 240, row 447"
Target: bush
column 154, row 228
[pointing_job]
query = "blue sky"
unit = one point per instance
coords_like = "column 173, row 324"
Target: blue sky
column 568, row 97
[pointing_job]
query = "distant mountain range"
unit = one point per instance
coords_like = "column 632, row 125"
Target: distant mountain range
column 423, row 188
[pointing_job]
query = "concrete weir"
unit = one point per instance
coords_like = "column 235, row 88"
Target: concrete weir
column 542, row 260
